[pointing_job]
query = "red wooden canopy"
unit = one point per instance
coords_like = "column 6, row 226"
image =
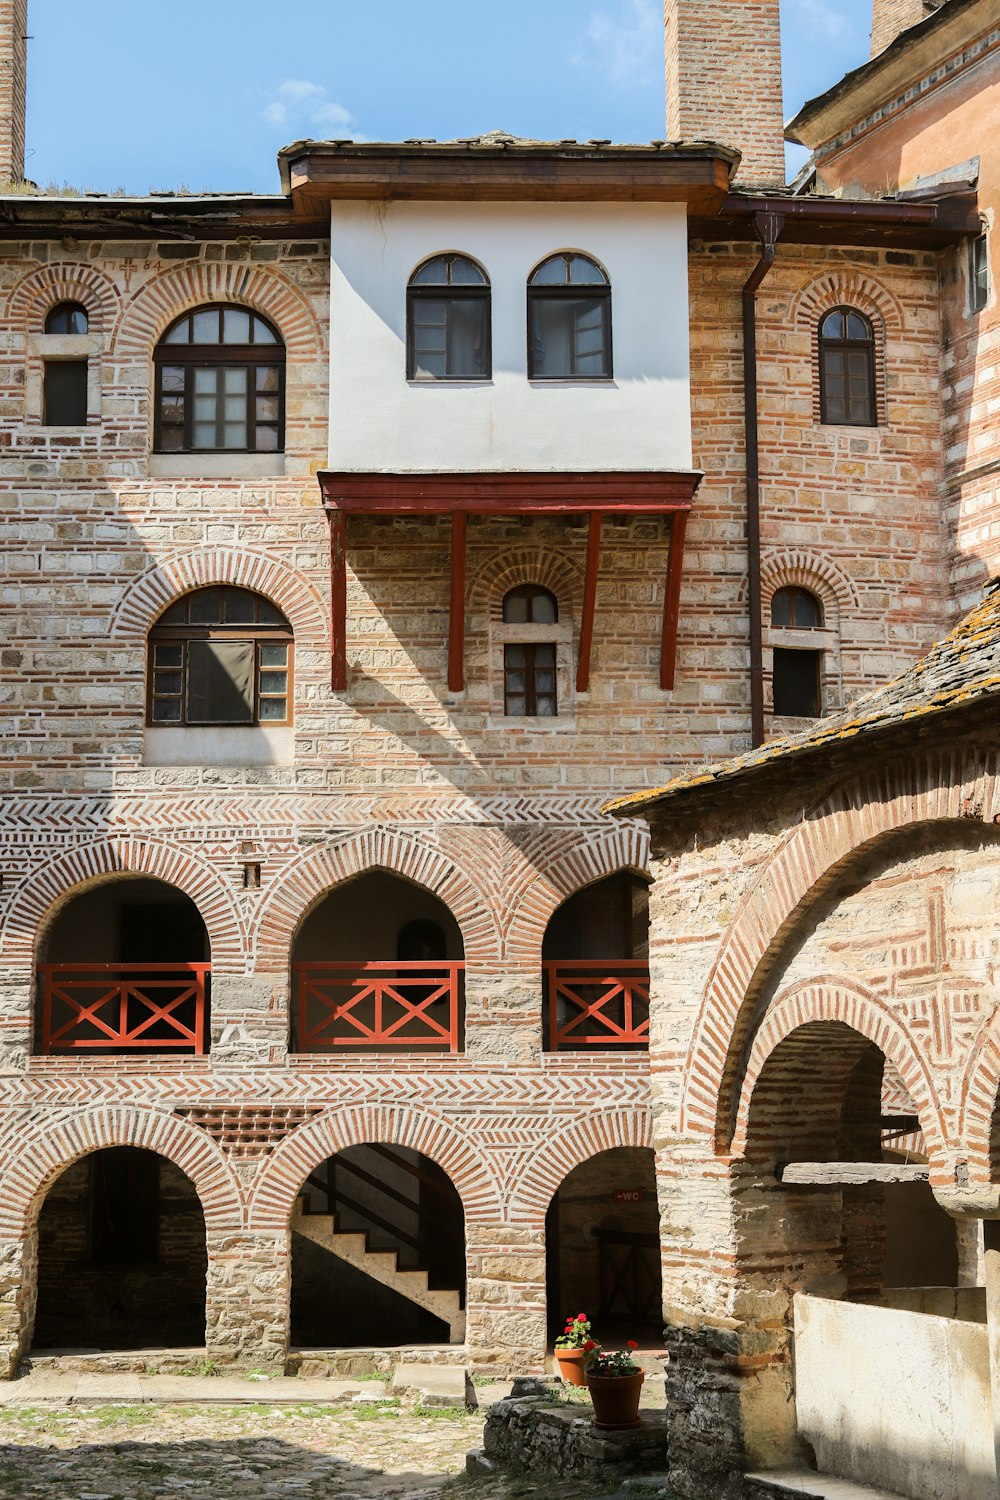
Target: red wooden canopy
column 595, row 495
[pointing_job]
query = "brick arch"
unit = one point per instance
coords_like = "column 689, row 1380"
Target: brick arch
column 849, row 288
column 980, row 1103
column 781, row 567
column 836, row 998
column 64, row 281
column 147, row 596
column 178, row 289
column 557, row 865
column 525, row 564
column 420, row 1129
column 33, row 1159
column 601, row 1130
column 51, row 884
column 416, row 857
column 942, row 786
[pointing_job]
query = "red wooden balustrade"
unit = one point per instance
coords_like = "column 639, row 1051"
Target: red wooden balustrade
column 596, row 1002
column 376, row 1005
column 126, row 1007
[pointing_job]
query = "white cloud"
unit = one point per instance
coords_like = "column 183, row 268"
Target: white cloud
column 825, row 20
column 625, row 43
column 301, row 105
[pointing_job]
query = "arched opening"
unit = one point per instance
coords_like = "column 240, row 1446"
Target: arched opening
column 378, row 1252
column 121, row 1256
column 377, row 965
column 602, row 1242
column 124, row 968
column 595, row 956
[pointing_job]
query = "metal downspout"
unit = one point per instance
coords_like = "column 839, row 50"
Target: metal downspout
column 768, row 227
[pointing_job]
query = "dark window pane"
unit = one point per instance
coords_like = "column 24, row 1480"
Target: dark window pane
column 274, row 655
column 220, row 682
column 239, row 606
column 272, row 709
column 796, row 683
column 167, row 655
column 569, row 338
column 552, row 272
column 65, row 393
column 465, row 272
column 833, row 326
column 166, row 710
column 583, row 271
column 67, row 317
column 205, row 607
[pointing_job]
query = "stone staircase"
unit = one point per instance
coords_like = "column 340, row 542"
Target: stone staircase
column 382, row 1266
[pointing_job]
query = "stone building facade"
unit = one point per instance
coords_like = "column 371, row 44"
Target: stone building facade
column 388, row 571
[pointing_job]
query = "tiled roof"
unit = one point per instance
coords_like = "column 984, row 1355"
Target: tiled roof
column 963, row 668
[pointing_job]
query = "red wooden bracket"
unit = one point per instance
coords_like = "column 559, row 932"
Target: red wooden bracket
column 672, row 600
column 338, row 601
column 456, row 617
column 589, row 600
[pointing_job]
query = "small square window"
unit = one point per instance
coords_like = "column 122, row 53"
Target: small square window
column 796, row 683
column 65, row 393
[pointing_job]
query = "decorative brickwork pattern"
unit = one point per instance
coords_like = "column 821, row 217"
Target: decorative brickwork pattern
column 64, row 281
column 851, row 289
column 249, row 1131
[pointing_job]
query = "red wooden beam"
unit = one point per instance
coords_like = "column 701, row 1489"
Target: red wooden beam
column 672, row 601
column 589, row 600
column 456, row 617
column 519, row 493
column 338, row 601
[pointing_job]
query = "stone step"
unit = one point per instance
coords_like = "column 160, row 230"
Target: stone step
column 806, row 1484
column 382, row 1266
column 354, row 1364
column 432, row 1385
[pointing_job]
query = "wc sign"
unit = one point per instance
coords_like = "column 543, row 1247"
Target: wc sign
column 628, row 1195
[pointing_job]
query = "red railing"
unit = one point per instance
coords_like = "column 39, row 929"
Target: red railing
column 129, row 1007
column 376, row 1005
column 597, row 1003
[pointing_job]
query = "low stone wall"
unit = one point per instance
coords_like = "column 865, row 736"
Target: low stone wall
column 895, row 1399
column 540, row 1433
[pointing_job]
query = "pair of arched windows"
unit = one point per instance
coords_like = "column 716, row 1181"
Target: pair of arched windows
column 449, row 320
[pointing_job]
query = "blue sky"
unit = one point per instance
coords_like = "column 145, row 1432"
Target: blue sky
column 201, row 93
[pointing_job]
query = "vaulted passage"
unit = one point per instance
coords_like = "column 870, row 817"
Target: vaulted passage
column 378, row 1252
column 121, row 1256
column 602, row 1238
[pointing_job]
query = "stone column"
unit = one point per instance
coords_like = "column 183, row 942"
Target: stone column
column 249, row 1020
column 247, row 1299
column 505, row 1304
column 16, row 992
column 991, row 1244
column 18, row 1293
column 503, row 1015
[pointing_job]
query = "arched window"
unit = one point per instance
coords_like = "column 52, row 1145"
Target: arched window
column 530, row 604
column 220, row 384
column 847, row 369
column 529, row 666
column 796, row 609
column 220, row 656
column 448, row 320
column 67, row 317
column 569, row 319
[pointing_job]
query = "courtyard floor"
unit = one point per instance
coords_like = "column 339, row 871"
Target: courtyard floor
column 369, row 1450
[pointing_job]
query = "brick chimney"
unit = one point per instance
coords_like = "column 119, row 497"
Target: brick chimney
column 13, row 57
column 724, row 81
column 890, row 17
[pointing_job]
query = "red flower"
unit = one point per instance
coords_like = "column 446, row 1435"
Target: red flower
column 581, row 1317
column 632, row 1343
column 590, row 1344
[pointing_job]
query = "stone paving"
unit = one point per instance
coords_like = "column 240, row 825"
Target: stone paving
column 371, row 1449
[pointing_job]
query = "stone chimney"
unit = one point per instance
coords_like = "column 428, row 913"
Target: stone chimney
column 724, row 81
column 890, row 17
column 13, row 57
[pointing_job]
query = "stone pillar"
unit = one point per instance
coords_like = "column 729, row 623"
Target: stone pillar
column 18, row 1293
column 969, row 1245
column 16, row 1021
column 249, row 1020
column 991, row 1244
column 247, row 1299
column 503, row 1015
column 505, row 1304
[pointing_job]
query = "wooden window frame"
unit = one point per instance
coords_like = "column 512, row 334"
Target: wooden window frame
column 259, row 633
column 191, row 357
column 449, row 291
column 552, row 291
column 796, row 591
column 531, row 592
column 979, row 259
column 64, row 308
column 530, row 693
column 49, row 366
column 846, row 347
column 817, row 654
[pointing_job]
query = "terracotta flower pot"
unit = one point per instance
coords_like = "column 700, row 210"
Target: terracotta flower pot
column 616, row 1399
column 570, row 1362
